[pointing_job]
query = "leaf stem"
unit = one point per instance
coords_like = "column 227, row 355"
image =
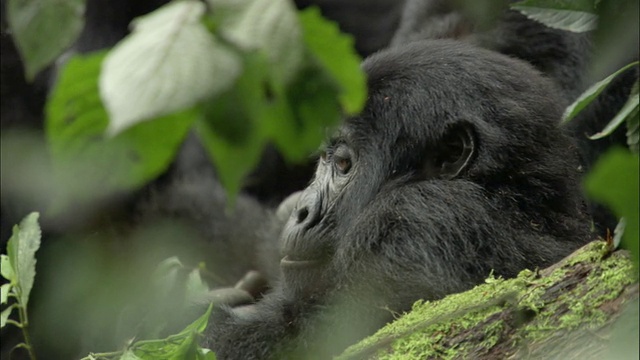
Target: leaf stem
column 14, row 323
column 24, row 322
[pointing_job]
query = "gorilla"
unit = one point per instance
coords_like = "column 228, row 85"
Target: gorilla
column 456, row 168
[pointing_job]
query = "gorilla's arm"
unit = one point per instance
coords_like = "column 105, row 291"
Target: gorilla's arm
column 234, row 240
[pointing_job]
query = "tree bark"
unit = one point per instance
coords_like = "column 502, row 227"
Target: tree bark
column 584, row 307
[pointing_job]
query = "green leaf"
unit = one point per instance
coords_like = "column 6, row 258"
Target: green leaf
column 183, row 345
column 591, row 93
column 315, row 109
column 4, row 316
column 205, row 354
column 83, row 156
column 633, row 131
column 614, row 181
column 43, row 29
column 618, row 232
column 200, row 324
column 628, row 110
column 233, row 161
column 21, row 249
column 129, row 355
column 633, row 122
column 232, row 126
column 4, row 291
column 6, row 268
column 335, row 52
column 270, row 26
column 170, row 62
column 166, row 276
column 196, row 287
column 167, row 268
column 575, row 16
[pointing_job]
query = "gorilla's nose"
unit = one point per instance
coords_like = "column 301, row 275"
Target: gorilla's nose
column 307, row 212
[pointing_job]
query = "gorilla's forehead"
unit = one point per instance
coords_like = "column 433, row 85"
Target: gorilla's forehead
column 413, row 90
column 435, row 59
column 417, row 90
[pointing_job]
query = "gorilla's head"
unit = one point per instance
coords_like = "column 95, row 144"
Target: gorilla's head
column 456, row 167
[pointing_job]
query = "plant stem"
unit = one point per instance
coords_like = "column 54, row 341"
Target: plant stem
column 24, row 320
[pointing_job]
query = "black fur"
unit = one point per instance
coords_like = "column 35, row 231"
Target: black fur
column 384, row 234
column 563, row 56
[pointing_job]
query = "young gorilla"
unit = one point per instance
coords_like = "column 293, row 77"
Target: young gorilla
column 455, row 168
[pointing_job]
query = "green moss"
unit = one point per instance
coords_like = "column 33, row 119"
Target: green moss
column 525, row 309
column 420, row 333
column 579, row 306
column 592, row 252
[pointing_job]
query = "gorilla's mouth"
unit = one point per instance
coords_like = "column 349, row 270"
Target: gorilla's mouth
column 293, row 263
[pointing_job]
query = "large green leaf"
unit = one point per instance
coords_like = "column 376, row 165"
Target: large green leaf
column 270, row 26
column 576, row 16
column 591, row 93
column 89, row 165
column 21, row 249
column 335, row 52
column 170, row 62
column 43, row 29
column 314, row 109
column 614, row 181
column 232, row 126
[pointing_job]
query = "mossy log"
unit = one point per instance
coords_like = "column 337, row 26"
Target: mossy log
column 584, row 307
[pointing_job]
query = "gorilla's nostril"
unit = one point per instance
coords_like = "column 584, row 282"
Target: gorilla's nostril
column 302, row 214
column 307, row 213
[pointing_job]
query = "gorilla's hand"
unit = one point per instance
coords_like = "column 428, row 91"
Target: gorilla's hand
column 246, row 291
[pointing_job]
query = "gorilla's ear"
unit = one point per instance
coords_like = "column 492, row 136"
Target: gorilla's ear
column 453, row 153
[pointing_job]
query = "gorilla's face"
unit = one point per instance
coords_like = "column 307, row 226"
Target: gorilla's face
column 399, row 184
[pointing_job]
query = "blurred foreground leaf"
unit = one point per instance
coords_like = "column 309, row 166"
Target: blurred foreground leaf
column 183, row 345
column 614, row 182
column 335, row 52
column 84, row 158
column 267, row 26
column 231, row 127
column 169, row 63
column 43, row 29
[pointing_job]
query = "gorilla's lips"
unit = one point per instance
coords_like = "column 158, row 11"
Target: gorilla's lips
column 291, row 263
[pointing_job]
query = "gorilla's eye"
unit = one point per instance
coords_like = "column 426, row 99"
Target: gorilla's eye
column 343, row 164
